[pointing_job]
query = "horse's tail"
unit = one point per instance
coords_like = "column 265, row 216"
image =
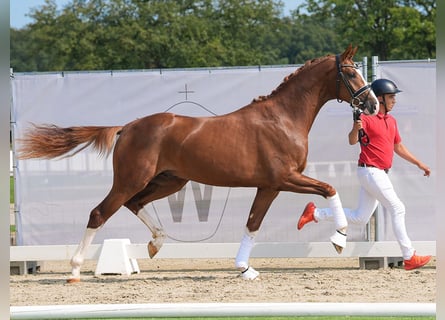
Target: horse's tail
column 50, row 141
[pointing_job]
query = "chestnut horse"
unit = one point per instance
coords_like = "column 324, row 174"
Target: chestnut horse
column 263, row 145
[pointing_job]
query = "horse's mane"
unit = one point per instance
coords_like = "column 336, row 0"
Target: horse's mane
column 286, row 79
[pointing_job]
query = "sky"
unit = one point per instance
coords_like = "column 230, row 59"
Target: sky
column 20, row 8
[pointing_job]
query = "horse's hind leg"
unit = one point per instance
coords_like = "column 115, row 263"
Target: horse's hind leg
column 261, row 204
column 161, row 186
column 79, row 255
column 98, row 216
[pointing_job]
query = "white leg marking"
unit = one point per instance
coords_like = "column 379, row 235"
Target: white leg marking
column 242, row 258
column 339, row 241
column 341, row 224
column 79, row 255
column 156, row 230
column 249, row 274
column 338, row 212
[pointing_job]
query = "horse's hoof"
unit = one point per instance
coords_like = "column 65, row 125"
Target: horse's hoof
column 338, row 248
column 249, row 274
column 339, row 241
column 73, row 280
column 152, row 250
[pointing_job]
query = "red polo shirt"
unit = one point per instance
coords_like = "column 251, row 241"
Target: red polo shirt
column 383, row 135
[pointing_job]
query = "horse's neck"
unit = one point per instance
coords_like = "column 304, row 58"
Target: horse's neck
column 300, row 97
column 302, row 101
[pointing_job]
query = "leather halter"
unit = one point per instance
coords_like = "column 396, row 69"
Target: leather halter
column 355, row 101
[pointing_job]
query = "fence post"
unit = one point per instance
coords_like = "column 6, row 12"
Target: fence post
column 365, row 68
column 375, row 62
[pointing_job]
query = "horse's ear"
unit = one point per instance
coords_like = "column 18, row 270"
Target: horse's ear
column 349, row 53
column 354, row 51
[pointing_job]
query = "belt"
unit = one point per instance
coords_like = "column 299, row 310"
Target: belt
column 364, row 165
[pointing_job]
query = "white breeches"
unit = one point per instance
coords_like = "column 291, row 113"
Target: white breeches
column 376, row 187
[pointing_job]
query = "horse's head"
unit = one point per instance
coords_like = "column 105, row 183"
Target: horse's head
column 352, row 86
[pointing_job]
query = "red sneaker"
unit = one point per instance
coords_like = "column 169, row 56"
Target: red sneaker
column 416, row 262
column 307, row 216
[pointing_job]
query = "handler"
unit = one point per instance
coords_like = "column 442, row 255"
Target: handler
column 379, row 138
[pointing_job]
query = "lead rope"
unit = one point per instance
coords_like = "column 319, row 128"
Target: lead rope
column 363, row 137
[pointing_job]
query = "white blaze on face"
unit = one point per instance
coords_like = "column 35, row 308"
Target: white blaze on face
column 371, row 95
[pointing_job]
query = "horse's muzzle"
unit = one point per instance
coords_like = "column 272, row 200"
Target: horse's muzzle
column 365, row 100
column 370, row 106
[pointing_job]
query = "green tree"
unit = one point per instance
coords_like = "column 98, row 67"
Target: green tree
column 138, row 34
column 307, row 39
column 143, row 34
column 391, row 29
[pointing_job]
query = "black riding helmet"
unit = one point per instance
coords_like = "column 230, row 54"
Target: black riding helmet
column 384, row 86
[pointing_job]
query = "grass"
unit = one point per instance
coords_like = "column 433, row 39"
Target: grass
column 11, row 189
column 11, row 199
column 285, row 318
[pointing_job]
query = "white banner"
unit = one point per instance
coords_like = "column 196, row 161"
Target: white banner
column 55, row 197
column 415, row 112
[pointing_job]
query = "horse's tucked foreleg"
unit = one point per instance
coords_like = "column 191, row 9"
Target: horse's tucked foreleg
column 156, row 230
column 341, row 224
column 304, row 184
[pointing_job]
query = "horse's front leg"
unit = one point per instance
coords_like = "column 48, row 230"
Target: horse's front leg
column 300, row 183
column 261, row 204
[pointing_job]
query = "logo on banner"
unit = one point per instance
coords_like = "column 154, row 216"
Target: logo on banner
column 202, row 202
column 194, row 213
column 188, row 107
column 197, row 209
